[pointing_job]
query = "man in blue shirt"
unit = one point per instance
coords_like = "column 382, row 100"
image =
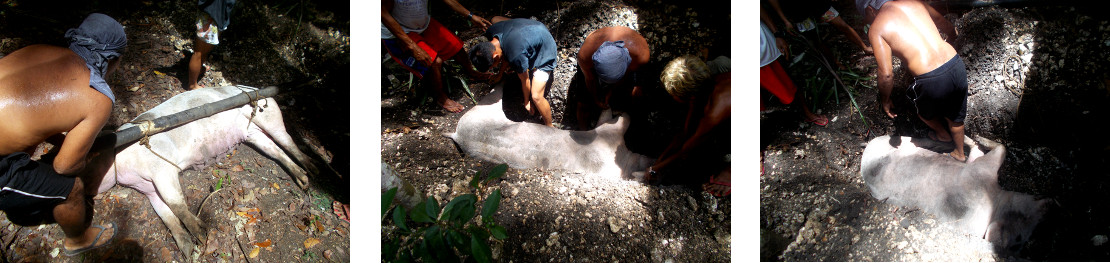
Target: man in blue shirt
column 525, row 47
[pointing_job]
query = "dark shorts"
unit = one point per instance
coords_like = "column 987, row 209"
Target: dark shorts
column 29, row 190
column 941, row 92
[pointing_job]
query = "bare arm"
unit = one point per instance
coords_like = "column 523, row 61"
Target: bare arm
column 525, row 84
column 714, row 113
column 779, row 42
column 943, row 25
column 73, row 154
column 586, row 65
column 478, row 21
column 885, row 70
column 395, row 28
column 778, row 10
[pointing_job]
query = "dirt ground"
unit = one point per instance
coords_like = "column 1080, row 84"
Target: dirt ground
column 557, row 216
column 1037, row 83
column 257, row 206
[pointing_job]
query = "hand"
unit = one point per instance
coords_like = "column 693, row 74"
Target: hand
column 494, row 78
column 887, row 104
column 601, row 105
column 781, row 44
column 480, row 22
column 419, row 54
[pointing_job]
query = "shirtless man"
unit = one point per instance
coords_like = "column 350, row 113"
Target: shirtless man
column 46, row 91
column 912, row 31
column 608, row 61
column 706, row 89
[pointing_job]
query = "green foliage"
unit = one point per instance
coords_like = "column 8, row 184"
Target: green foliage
column 444, row 234
column 821, row 79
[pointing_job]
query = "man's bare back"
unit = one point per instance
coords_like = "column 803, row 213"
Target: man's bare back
column 912, row 30
column 44, row 91
column 908, row 29
column 638, row 47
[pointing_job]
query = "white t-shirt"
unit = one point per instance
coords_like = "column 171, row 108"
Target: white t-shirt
column 411, row 14
column 767, row 49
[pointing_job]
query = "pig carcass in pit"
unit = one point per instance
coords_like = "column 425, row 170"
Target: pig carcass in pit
column 486, row 133
column 195, row 145
column 903, row 172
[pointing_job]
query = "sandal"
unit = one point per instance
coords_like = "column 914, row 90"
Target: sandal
column 713, row 182
column 341, row 210
column 820, row 120
column 93, row 245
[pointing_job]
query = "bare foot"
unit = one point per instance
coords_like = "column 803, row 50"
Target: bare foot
column 958, row 156
column 450, row 105
column 719, row 185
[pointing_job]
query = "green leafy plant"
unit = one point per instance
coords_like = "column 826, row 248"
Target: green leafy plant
column 824, row 75
column 444, row 234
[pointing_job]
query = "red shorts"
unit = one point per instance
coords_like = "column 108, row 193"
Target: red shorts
column 437, row 41
column 774, row 79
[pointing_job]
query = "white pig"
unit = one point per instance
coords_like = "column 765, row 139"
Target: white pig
column 904, row 173
column 195, row 145
column 486, row 133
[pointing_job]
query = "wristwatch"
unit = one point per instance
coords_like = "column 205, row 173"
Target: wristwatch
column 652, row 172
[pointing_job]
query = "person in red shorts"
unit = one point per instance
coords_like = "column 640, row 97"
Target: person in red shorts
column 421, row 44
column 772, row 77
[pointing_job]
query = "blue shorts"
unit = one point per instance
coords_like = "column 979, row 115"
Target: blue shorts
column 941, row 92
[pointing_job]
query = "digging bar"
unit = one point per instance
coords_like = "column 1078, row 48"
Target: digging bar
column 134, row 133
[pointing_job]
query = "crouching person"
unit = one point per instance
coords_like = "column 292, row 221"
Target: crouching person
column 46, row 91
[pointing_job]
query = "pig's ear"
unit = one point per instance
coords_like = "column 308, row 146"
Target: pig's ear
column 989, row 163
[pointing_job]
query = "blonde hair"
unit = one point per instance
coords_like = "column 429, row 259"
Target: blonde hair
column 682, row 76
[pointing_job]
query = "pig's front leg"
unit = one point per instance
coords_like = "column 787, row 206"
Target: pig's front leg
column 182, row 237
column 169, row 190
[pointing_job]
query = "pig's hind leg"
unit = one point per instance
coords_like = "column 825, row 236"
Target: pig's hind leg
column 260, row 141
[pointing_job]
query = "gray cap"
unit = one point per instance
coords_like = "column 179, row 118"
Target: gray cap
column 861, row 5
column 610, row 61
column 99, row 39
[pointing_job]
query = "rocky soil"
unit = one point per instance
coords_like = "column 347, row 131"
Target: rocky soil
column 557, row 216
column 257, row 214
column 1037, row 83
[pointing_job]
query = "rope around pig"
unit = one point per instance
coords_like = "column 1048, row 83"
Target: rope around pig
column 148, row 128
column 253, row 103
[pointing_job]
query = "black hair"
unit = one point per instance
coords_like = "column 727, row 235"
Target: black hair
column 481, row 56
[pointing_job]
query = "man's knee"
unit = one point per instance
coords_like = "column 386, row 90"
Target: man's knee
column 78, row 188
